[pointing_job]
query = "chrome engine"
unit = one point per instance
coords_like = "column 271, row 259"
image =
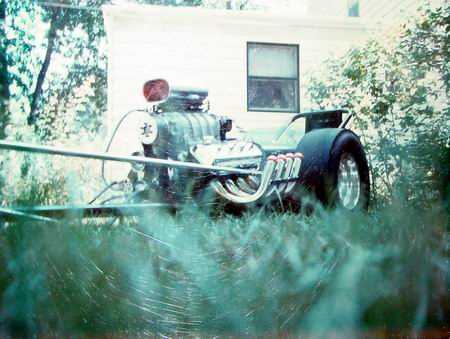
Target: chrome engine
column 195, row 135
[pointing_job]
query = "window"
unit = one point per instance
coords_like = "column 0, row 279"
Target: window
column 353, row 8
column 272, row 77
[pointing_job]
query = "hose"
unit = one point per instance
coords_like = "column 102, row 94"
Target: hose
column 116, row 128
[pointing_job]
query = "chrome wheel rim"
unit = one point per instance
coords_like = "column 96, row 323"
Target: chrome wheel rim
column 349, row 184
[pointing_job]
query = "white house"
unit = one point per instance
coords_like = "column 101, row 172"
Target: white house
column 252, row 62
column 244, row 58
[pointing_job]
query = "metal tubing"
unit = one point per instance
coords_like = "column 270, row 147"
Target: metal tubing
column 234, row 189
column 277, row 176
column 287, row 173
column 294, row 173
column 244, row 186
column 24, row 147
column 86, row 210
column 10, row 214
column 248, row 198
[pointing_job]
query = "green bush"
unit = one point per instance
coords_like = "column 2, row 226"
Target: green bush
column 399, row 88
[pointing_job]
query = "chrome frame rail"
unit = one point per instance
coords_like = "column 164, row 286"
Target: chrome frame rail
column 24, row 147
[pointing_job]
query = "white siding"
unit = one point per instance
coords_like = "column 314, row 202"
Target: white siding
column 207, row 48
column 392, row 10
column 378, row 10
column 327, row 8
column 388, row 9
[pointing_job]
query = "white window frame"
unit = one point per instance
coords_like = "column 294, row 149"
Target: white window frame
column 296, row 79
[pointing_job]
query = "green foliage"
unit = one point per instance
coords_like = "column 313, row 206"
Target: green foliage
column 4, row 87
column 399, row 89
column 56, row 67
column 260, row 274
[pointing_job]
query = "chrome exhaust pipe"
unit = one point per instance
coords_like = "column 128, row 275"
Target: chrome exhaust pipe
column 244, row 186
column 287, row 172
column 232, row 188
column 295, row 172
column 242, row 197
column 279, row 170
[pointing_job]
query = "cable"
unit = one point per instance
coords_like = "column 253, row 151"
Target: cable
column 115, row 197
column 112, row 138
column 102, row 192
column 110, row 185
column 127, row 197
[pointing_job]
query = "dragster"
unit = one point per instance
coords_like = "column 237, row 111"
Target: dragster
column 188, row 154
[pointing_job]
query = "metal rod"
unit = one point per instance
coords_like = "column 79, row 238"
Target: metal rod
column 346, row 121
column 11, row 214
column 85, row 210
column 24, row 147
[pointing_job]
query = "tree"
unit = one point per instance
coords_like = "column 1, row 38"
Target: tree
column 399, row 89
column 4, row 84
column 30, row 55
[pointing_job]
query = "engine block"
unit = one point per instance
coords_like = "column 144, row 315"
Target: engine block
column 196, row 136
column 201, row 137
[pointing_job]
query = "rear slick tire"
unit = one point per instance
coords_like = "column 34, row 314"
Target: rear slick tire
column 335, row 170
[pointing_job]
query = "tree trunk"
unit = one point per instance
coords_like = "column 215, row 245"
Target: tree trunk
column 4, row 83
column 32, row 117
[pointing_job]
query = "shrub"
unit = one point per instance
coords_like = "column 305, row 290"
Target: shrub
column 399, row 88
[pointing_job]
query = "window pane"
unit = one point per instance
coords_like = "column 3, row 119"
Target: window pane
column 272, row 61
column 272, row 95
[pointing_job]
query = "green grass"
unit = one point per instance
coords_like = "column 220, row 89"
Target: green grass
column 263, row 273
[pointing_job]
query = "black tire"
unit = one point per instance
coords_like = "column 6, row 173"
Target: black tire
column 320, row 173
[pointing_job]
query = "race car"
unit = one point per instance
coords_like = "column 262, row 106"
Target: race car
column 187, row 153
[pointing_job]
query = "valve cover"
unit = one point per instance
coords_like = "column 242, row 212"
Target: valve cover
column 229, row 153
